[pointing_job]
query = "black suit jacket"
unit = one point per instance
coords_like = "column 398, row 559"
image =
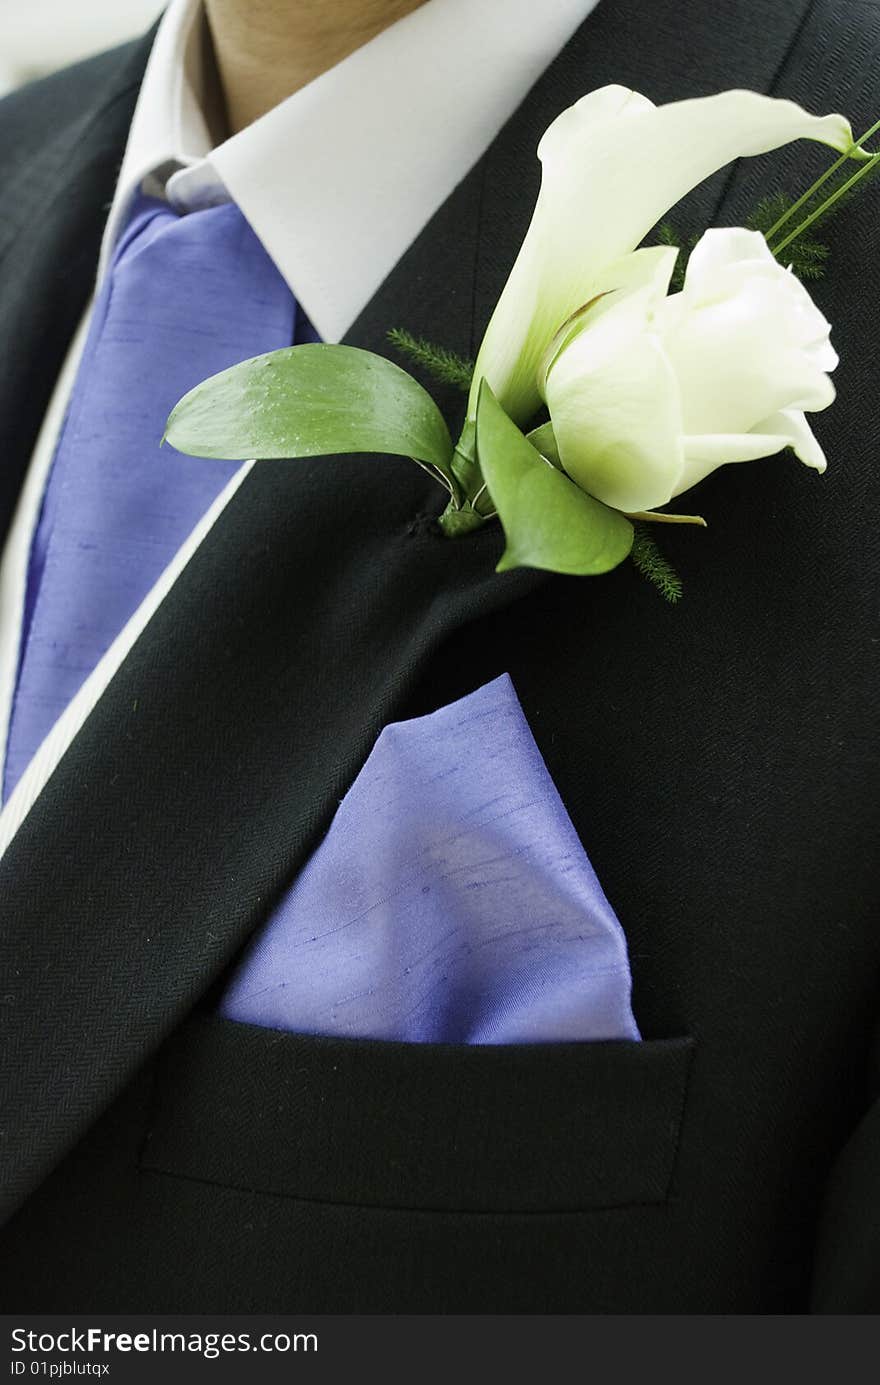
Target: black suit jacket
column 718, row 760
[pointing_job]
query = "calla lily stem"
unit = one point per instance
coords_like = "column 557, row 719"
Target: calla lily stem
column 829, row 203
column 820, row 182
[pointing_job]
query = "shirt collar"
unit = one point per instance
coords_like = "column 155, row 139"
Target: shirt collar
column 339, row 179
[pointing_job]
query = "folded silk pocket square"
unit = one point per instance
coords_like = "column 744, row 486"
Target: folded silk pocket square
column 451, row 901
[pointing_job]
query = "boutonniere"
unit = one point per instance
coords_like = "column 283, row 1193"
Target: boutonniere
column 612, row 377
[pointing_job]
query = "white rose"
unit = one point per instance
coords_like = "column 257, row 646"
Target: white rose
column 648, row 394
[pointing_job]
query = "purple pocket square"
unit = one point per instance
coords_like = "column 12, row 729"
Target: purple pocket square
column 451, row 901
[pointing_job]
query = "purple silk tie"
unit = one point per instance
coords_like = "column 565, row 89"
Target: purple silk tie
column 186, row 296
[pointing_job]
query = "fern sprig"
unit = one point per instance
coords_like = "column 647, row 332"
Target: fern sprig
column 446, row 366
column 652, row 565
column 806, row 255
column 667, row 234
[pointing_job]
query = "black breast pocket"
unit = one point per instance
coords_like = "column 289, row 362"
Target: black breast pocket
column 533, row 1128
column 292, row 1173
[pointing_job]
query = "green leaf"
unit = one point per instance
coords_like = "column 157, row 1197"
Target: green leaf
column 311, row 401
column 548, row 521
column 544, row 439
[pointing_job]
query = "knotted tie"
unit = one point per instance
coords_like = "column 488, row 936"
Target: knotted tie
column 186, row 296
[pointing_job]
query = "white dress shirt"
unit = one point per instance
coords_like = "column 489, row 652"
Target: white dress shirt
column 376, row 143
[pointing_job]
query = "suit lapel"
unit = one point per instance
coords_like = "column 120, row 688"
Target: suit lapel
column 217, row 755
column 55, row 197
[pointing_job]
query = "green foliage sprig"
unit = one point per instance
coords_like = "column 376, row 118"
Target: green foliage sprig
column 668, row 234
column 806, row 256
column 444, row 365
column 652, row 565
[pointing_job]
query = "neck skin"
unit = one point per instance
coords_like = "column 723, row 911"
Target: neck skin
column 267, row 49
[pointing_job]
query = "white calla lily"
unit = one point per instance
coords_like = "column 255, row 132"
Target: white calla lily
column 652, row 393
column 613, row 165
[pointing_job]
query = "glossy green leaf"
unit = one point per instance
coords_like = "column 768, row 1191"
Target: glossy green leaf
column 548, row 521
column 311, row 401
column 544, row 439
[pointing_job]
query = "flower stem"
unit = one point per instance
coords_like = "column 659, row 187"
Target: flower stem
column 464, row 462
column 455, row 523
column 829, row 202
column 820, row 182
column 472, row 507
